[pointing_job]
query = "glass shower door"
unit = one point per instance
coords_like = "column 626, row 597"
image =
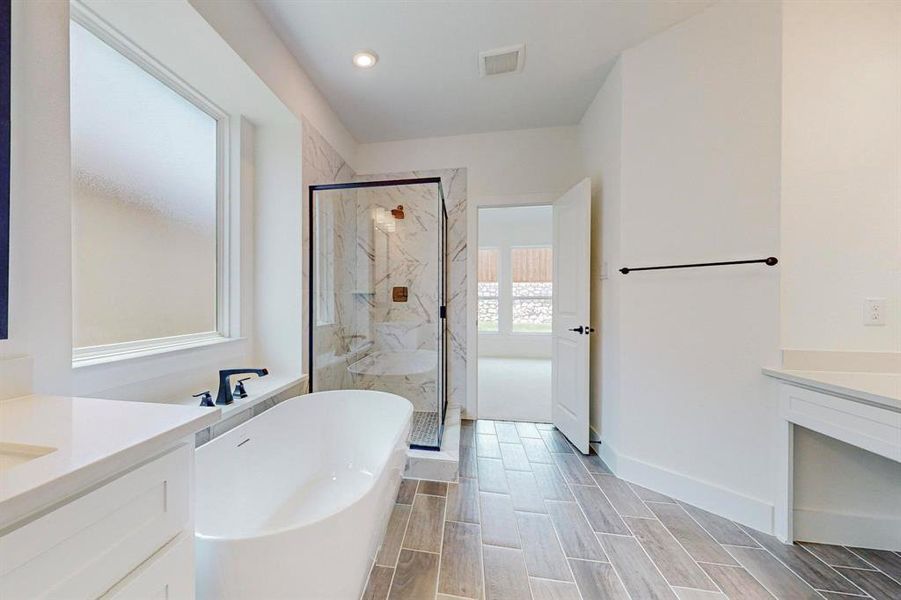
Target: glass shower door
column 378, row 291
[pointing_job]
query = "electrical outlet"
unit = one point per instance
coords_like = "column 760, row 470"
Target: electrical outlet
column 874, row 311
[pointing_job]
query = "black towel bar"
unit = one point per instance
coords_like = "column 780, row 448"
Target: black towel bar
column 772, row 260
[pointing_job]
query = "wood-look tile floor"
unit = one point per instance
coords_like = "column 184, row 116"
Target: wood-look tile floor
column 530, row 517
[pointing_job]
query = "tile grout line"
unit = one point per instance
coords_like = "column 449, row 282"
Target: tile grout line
column 585, row 516
column 762, row 584
column 765, row 549
column 566, row 558
column 478, row 494
column 619, row 576
column 842, row 593
column 828, row 566
column 441, row 546
column 645, row 550
column 704, row 529
column 741, row 566
column 402, row 540
column 851, row 550
column 867, row 570
column 563, row 552
column 481, row 544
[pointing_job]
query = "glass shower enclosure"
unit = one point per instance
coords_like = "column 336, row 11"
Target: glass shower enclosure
column 378, row 294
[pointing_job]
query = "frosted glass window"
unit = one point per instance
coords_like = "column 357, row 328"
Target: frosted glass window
column 144, row 226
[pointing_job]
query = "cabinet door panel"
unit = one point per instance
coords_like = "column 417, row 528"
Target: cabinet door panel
column 81, row 549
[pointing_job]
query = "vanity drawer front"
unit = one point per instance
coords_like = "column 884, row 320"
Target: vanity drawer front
column 168, row 575
column 82, row 548
column 869, row 427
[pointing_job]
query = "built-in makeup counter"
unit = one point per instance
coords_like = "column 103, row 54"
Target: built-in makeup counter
column 882, row 390
column 858, row 408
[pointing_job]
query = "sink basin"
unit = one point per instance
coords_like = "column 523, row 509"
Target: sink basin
column 13, row 455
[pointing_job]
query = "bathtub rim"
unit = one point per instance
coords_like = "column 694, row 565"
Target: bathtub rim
column 273, row 532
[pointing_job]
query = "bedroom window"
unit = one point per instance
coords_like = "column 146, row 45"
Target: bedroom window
column 489, row 300
column 532, row 295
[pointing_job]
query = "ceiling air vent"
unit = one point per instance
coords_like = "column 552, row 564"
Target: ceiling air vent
column 509, row 59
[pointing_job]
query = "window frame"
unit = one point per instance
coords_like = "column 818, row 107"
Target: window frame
column 226, row 265
column 514, row 297
column 496, row 298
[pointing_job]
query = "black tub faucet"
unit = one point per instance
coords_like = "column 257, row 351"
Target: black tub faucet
column 225, row 391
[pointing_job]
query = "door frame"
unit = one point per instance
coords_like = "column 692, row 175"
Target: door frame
column 471, row 409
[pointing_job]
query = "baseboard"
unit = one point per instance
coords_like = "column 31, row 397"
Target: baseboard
column 727, row 503
column 843, row 529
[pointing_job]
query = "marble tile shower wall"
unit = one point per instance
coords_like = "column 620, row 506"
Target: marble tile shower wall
column 367, row 264
column 404, row 332
column 408, row 256
column 322, row 164
column 419, row 248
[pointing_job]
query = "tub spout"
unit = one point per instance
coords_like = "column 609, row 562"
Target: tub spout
column 225, row 391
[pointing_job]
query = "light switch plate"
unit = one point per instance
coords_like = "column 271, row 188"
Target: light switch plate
column 874, row 311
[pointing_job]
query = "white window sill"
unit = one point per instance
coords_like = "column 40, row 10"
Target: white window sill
column 115, row 353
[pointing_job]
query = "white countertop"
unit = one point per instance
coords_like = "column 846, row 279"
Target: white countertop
column 877, row 389
column 91, row 439
column 259, row 389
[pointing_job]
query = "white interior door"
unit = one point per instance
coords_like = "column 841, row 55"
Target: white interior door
column 571, row 328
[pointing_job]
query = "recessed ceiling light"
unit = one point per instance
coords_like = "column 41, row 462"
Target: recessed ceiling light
column 365, row 59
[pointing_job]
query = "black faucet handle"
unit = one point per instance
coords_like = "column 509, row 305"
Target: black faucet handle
column 206, row 399
column 240, row 392
column 224, row 396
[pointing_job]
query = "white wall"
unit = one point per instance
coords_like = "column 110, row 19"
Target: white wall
column 841, row 195
column 699, row 180
column 504, row 228
column 245, row 28
column 841, row 235
column 41, row 315
column 600, row 136
column 500, row 163
column 39, row 190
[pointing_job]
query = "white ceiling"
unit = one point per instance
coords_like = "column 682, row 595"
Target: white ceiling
column 427, row 80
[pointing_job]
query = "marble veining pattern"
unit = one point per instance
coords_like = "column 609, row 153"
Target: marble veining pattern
column 453, row 182
column 365, row 262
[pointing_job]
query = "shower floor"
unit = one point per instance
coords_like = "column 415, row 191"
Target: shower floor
column 424, row 429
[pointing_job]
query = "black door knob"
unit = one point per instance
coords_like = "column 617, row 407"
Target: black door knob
column 578, row 329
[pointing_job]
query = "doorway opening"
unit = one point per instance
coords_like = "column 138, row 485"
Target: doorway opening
column 515, row 312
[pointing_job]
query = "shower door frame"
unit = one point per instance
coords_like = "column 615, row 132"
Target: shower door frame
column 442, row 284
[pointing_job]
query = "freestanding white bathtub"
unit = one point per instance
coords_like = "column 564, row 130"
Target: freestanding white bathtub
column 293, row 503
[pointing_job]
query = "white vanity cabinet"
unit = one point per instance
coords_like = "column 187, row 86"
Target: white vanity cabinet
column 130, row 537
